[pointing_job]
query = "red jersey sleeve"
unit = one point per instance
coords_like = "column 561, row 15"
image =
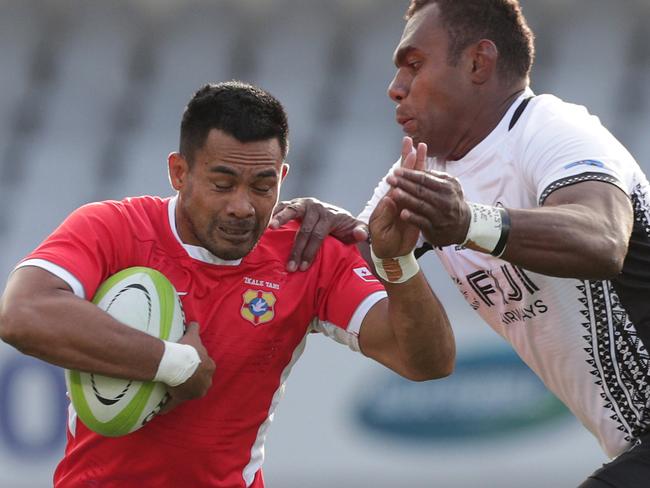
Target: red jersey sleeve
column 347, row 289
column 93, row 243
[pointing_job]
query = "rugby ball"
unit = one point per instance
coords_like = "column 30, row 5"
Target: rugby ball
column 144, row 299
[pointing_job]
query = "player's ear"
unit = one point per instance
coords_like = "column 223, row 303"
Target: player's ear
column 284, row 171
column 483, row 57
column 178, row 168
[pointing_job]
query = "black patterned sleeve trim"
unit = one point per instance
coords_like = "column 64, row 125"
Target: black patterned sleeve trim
column 572, row 180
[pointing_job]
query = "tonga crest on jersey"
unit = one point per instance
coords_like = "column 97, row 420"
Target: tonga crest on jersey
column 258, row 307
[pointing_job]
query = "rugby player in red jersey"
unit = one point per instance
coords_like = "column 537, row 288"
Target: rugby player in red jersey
column 248, row 316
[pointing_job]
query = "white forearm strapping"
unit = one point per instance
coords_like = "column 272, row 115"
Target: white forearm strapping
column 396, row 270
column 178, row 363
column 488, row 229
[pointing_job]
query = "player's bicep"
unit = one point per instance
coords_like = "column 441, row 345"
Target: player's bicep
column 28, row 282
column 26, row 289
column 604, row 202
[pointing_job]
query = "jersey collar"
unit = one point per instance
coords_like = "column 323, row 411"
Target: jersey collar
column 195, row 252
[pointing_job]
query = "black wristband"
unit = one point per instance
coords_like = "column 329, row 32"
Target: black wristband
column 500, row 248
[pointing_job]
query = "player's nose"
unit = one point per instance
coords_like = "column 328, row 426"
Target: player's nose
column 240, row 206
column 398, row 88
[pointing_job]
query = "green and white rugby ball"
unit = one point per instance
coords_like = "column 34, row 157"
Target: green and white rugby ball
column 144, row 299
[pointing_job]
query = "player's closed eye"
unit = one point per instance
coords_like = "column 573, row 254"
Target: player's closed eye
column 263, row 189
column 222, row 186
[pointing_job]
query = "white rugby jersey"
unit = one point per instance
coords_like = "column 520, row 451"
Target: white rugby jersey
column 584, row 339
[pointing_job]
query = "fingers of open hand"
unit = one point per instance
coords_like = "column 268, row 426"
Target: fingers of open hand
column 433, row 180
column 420, row 185
column 348, row 229
column 360, row 233
column 432, row 202
column 313, row 243
column 287, row 211
column 419, row 221
column 412, row 157
column 417, row 200
column 382, row 218
column 385, row 210
column 315, row 226
column 280, row 206
column 421, row 157
column 407, row 148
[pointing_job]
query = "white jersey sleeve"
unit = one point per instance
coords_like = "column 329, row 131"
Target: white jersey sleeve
column 566, row 145
column 380, row 191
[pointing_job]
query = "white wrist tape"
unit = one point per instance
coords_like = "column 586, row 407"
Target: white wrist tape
column 396, row 270
column 178, row 363
column 488, row 229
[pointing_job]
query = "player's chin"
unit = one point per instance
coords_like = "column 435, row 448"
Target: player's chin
column 232, row 249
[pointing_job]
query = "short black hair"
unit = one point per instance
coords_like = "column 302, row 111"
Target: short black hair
column 501, row 21
column 241, row 110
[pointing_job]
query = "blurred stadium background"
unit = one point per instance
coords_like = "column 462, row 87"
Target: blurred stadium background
column 92, row 93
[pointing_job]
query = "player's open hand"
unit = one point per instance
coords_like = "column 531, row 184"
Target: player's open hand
column 199, row 383
column 432, row 201
column 319, row 220
column 392, row 235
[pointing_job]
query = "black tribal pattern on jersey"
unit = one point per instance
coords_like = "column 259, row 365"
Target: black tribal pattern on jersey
column 618, row 328
column 619, row 359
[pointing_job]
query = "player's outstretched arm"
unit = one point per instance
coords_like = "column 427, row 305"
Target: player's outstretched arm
column 318, row 220
column 409, row 331
column 582, row 231
column 41, row 317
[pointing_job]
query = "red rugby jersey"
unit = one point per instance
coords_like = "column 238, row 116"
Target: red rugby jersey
column 254, row 319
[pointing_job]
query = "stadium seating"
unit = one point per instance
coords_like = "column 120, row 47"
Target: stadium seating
column 93, row 91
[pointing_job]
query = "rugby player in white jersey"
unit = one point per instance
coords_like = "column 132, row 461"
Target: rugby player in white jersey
column 539, row 215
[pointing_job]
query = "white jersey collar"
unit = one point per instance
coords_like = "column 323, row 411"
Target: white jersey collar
column 196, row 252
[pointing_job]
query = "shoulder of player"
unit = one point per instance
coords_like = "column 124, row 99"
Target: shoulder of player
column 549, row 123
column 548, row 113
column 136, row 211
column 129, row 204
column 281, row 241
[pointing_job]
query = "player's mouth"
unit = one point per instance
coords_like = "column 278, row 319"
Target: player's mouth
column 235, row 234
column 408, row 123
